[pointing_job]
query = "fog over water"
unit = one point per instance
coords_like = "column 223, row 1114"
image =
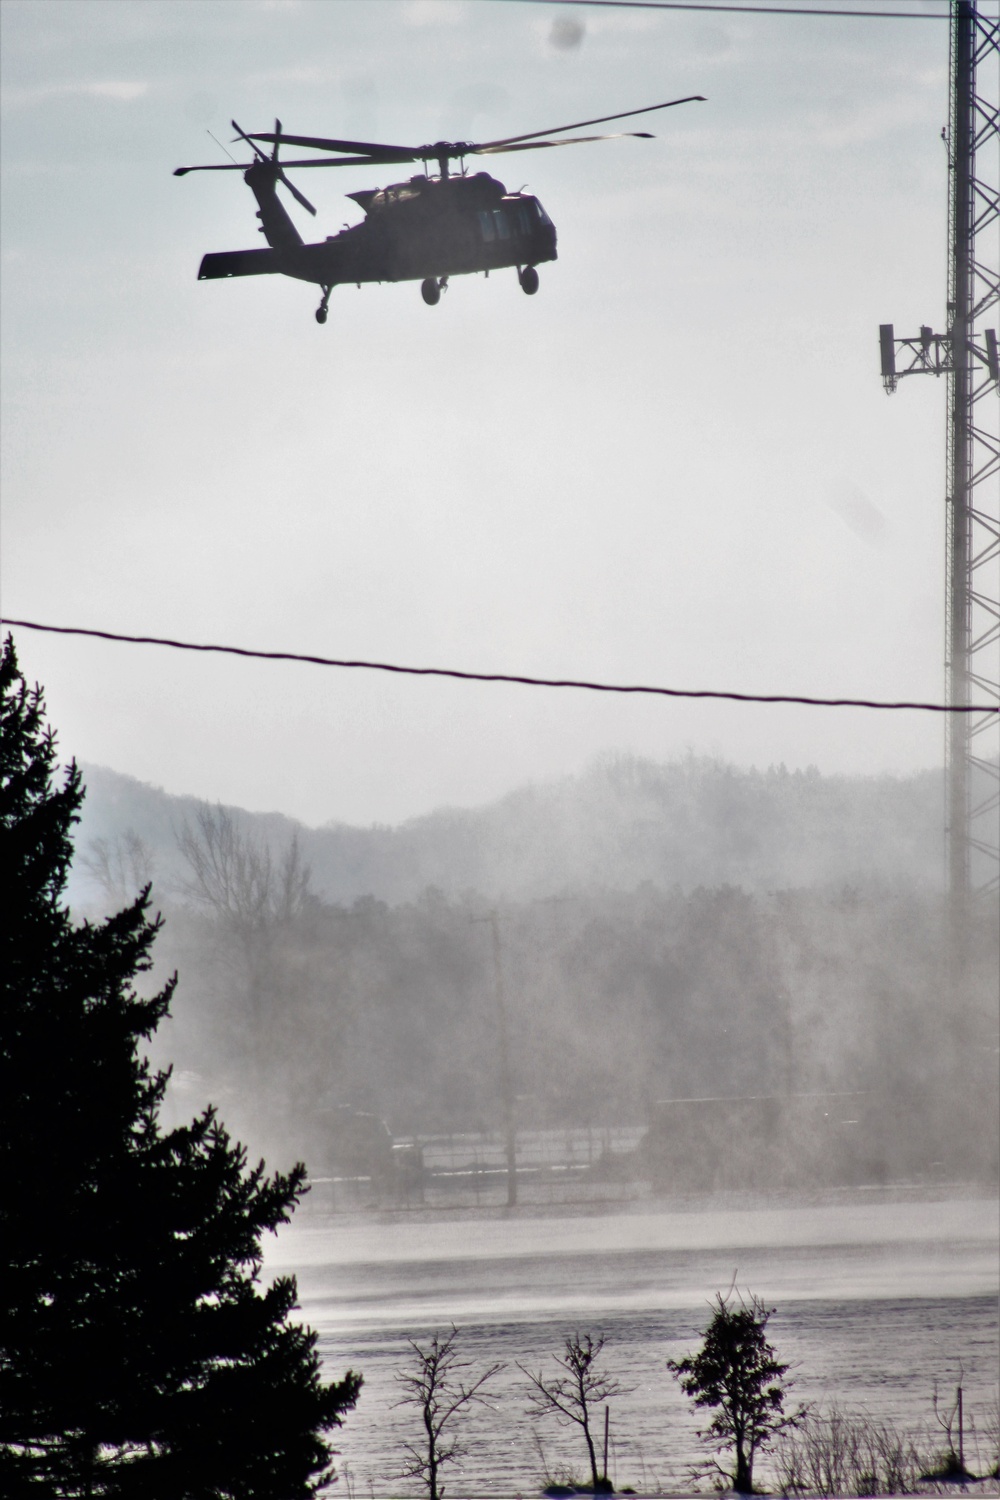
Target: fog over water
column 876, row 1301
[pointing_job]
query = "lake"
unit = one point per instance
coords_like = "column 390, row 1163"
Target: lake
column 877, row 1297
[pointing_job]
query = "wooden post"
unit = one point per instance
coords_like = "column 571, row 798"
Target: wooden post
column 607, row 1421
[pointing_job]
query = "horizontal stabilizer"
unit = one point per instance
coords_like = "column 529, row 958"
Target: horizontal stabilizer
column 239, row 263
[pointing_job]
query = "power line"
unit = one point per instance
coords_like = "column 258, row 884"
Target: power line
column 757, row 10
column 522, row 681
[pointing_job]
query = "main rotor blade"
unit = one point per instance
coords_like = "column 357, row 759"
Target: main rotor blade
column 350, row 161
column 299, row 197
column 369, row 148
column 244, row 137
column 573, row 140
column 308, row 161
column 512, row 140
column 217, row 166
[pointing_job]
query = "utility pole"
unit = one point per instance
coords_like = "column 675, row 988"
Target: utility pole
column 967, row 354
column 503, row 1045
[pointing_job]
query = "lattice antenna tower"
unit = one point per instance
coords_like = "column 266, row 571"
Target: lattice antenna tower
column 967, row 354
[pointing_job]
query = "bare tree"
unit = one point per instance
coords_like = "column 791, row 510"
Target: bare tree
column 574, row 1395
column 122, row 866
column 233, row 874
column 439, row 1387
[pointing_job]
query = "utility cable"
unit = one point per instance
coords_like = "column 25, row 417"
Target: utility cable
column 522, row 681
column 758, row 10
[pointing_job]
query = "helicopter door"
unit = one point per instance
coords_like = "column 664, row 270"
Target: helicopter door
column 486, row 226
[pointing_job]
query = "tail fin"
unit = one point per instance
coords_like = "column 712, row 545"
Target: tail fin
column 239, row 263
column 279, row 231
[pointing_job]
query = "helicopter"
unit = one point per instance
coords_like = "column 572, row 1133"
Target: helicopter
column 426, row 229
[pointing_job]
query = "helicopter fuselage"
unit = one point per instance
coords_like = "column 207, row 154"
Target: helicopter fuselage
column 427, row 228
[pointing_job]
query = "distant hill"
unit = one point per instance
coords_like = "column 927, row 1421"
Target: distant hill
column 686, row 823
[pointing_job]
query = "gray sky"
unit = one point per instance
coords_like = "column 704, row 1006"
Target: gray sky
column 676, row 464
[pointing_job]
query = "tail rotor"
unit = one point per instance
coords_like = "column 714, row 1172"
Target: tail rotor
column 273, row 162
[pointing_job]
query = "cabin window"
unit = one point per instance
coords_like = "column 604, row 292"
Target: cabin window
column 486, row 224
column 523, row 222
column 503, row 228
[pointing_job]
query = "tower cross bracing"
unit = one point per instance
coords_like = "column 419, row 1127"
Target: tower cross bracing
column 967, row 354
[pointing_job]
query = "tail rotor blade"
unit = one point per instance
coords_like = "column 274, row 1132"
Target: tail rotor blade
column 299, row 197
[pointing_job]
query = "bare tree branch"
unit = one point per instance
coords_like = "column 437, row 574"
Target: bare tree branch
column 233, row 874
column 122, row 866
column 438, row 1388
column 574, row 1395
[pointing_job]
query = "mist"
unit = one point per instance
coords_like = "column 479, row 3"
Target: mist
column 725, row 979
column 709, row 1015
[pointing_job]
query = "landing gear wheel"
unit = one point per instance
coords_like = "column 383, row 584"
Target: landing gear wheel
column 321, row 315
column 430, row 291
column 321, row 310
column 529, row 280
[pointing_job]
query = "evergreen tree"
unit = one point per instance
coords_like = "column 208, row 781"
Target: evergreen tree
column 736, row 1375
column 139, row 1354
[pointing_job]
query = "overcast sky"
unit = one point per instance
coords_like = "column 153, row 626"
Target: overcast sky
column 675, row 464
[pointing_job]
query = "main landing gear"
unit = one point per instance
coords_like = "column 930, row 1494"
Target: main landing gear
column 431, row 289
column 528, row 277
column 321, row 310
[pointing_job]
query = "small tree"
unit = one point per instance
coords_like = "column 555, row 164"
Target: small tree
column 139, row 1355
column 573, row 1396
column 735, row 1373
column 437, row 1386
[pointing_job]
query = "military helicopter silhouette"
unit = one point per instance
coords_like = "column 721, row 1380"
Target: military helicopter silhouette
column 427, row 229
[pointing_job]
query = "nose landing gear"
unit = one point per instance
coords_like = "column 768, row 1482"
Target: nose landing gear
column 321, row 310
column 528, row 277
column 431, row 289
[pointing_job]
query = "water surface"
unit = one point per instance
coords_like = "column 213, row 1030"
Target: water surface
column 876, row 1301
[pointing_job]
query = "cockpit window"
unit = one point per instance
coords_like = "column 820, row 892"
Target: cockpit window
column 541, row 213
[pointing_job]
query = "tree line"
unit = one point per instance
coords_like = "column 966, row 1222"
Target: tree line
column 613, row 1000
column 734, row 1379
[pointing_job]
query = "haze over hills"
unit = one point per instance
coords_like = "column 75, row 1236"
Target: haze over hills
column 665, row 932
column 685, row 823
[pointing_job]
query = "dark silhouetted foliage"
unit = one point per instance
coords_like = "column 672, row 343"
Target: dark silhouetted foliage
column 736, row 1375
column 139, row 1355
